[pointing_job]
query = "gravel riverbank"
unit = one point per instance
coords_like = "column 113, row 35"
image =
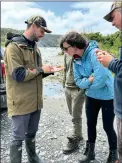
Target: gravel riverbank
column 54, row 127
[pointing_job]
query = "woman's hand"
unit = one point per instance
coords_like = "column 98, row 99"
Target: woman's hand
column 91, row 78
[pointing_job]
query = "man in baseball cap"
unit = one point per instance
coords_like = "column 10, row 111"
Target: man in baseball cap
column 115, row 5
column 39, row 21
column 115, row 65
column 24, row 74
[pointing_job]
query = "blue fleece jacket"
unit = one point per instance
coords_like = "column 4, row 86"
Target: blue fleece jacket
column 116, row 67
column 87, row 65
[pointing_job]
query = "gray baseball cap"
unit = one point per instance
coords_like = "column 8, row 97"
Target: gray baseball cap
column 39, row 21
column 115, row 5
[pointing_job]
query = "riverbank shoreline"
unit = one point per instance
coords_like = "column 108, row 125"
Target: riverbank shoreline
column 55, row 125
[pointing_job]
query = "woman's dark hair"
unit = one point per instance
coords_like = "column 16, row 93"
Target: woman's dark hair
column 74, row 39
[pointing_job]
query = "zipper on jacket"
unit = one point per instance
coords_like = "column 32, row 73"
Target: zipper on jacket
column 36, row 76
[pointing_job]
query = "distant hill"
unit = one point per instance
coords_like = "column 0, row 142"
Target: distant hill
column 50, row 40
column 109, row 42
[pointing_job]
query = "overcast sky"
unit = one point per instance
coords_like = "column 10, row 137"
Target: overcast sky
column 60, row 16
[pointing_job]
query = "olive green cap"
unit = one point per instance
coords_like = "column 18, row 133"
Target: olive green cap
column 115, row 5
column 39, row 21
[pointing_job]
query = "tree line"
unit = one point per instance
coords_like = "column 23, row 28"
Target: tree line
column 109, row 42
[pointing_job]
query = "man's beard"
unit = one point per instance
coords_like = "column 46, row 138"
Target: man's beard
column 34, row 38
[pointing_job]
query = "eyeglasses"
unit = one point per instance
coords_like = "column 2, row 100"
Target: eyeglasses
column 66, row 49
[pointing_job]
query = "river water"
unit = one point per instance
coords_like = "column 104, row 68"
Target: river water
column 52, row 88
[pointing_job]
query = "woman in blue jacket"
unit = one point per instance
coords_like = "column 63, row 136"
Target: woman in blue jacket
column 97, row 82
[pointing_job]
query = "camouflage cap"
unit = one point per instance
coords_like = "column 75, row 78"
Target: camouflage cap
column 39, row 21
column 115, row 5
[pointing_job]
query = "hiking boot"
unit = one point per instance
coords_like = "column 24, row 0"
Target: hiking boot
column 90, row 154
column 113, row 156
column 73, row 145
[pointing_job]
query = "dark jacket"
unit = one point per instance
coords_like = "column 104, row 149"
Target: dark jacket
column 116, row 67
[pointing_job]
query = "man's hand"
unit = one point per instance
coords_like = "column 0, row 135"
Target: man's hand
column 47, row 69
column 57, row 68
column 51, row 69
column 91, row 78
column 104, row 57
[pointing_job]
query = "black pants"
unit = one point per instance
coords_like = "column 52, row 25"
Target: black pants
column 92, row 109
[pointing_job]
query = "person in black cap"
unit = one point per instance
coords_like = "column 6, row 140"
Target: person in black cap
column 24, row 74
column 115, row 65
column 39, row 21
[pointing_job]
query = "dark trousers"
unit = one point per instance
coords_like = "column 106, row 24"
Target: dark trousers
column 92, row 109
column 25, row 125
